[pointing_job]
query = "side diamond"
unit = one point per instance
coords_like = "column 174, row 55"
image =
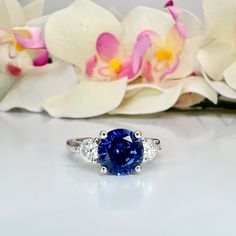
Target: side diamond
column 89, row 149
column 151, row 149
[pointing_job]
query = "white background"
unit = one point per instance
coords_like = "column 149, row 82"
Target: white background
column 124, row 6
column 189, row 191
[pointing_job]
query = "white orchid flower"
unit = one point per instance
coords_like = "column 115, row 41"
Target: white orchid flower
column 14, row 15
column 89, row 37
column 218, row 54
column 109, row 56
column 169, row 68
column 26, row 78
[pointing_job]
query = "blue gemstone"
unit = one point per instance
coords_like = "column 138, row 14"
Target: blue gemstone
column 120, row 152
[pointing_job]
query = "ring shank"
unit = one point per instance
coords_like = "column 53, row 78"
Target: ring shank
column 73, row 145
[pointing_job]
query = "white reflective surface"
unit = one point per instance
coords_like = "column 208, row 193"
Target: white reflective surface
column 190, row 190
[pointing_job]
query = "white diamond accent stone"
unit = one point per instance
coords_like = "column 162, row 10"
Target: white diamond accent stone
column 89, row 150
column 151, row 149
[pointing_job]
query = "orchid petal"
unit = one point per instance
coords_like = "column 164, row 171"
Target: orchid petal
column 12, row 53
column 40, row 57
column 107, row 72
column 187, row 100
column 38, row 22
column 91, row 64
column 230, row 75
column 189, row 24
column 170, row 3
column 215, row 57
column 147, row 72
column 107, row 46
column 6, row 82
column 9, row 56
column 34, row 9
column 87, row 99
column 148, row 99
column 71, row 34
column 134, row 87
column 198, row 85
column 175, row 12
column 31, row 91
column 4, row 57
column 175, row 41
column 221, row 87
column 11, row 14
column 5, row 36
column 30, row 37
column 192, row 24
column 127, row 70
column 115, row 12
column 140, row 50
column 23, row 60
column 182, row 29
column 220, row 19
column 13, row 70
column 143, row 18
column 145, row 33
column 188, row 59
column 170, row 70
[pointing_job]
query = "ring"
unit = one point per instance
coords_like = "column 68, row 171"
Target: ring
column 118, row 152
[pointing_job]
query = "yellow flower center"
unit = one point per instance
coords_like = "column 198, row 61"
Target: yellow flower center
column 163, row 55
column 19, row 48
column 115, row 65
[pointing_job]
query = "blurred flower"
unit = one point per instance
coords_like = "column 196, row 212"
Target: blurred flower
column 89, row 37
column 169, row 67
column 149, row 50
column 164, row 54
column 110, row 62
column 145, row 63
column 14, row 15
column 218, row 54
column 23, row 40
column 26, row 78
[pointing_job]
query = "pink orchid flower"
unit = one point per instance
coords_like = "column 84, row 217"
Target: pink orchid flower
column 158, row 56
column 26, row 39
column 110, row 62
column 170, row 3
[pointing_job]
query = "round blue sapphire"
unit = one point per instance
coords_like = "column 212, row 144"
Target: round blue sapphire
column 120, row 152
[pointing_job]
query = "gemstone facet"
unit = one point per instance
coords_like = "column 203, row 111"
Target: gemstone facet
column 89, row 150
column 151, row 149
column 120, row 152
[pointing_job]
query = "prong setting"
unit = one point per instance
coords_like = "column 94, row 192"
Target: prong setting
column 95, row 162
column 138, row 134
column 103, row 134
column 103, row 170
column 138, row 169
column 157, row 142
